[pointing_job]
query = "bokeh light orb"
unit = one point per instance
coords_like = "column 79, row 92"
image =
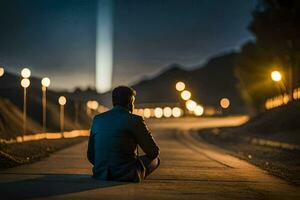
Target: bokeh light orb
column 147, row 113
column 199, row 110
column 191, row 105
column 25, row 73
column 45, row 82
column 180, row 86
column 167, row 112
column 62, row 100
column 224, row 103
column 176, row 112
column 2, row 71
column 25, row 82
column 158, row 112
column 186, row 95
column 276, row 76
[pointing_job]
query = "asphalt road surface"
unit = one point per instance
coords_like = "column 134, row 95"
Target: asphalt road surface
column 190, row 169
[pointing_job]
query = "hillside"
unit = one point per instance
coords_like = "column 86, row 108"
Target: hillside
column 208, row 84
column 11, row 91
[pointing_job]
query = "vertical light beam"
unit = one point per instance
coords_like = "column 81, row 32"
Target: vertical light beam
column 104, row 45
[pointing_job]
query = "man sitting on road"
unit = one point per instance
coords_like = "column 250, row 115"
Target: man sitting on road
column 115, row 134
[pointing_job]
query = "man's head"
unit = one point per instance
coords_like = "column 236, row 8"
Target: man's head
column 124, row 96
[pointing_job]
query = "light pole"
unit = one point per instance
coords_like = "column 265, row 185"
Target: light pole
column 45, row 83
column 277, row 77
column 62, row 101
column 25, row 82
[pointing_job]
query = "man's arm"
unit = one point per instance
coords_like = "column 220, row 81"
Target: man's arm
column 145, row 139
column 91, row 149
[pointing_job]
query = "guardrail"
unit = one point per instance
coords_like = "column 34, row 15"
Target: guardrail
column 281, row 99
column 46, row 136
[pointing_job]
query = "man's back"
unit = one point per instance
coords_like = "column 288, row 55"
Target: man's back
column 113, row 142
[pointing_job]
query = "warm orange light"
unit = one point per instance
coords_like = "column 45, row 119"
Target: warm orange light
column 199, row 110
column 45, row 82
column 276, row 76
column 224, row 103
column 186, row 95
column 176, row 112
column 25, row 73
column 191, row 105
column 180, row 86
column 167, row 111
column 147, row 113
column 62, row 100
column 158, row 112
column 2, row 71
column 25, row 82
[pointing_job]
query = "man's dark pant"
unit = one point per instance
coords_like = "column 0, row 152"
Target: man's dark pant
column 148, row 165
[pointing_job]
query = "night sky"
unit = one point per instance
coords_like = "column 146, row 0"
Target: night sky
column 56, row 38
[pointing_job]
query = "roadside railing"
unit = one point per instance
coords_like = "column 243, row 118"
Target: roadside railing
column 46, row 136
column 281, row 100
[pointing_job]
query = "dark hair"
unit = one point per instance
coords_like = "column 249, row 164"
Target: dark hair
column 122, row 95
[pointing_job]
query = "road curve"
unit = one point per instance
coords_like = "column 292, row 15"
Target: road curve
column 190, row 169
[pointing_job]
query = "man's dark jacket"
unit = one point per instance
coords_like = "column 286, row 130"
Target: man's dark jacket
column 112, row 147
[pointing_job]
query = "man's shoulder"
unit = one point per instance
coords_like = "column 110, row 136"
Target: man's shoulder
column 136, row 117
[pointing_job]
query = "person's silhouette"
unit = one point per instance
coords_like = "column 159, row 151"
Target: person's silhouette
column 113, row 141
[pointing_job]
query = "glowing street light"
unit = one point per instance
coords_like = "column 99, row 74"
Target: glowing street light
column 199, row 110
column 147, row 113
column 2, row 71
column 167, row 112
column 176, row 112
column 25, row 84
column 191, row 105
column 276, row 76
column 224, row 103
column 180, row 86
column 45, row 83
column 62, row 102
column 25, row 73
column 186, row 95
column 158, row 112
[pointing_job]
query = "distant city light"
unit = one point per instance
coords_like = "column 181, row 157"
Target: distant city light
column 147, row 113
column 158, row 112
column 45, row 82
column 62, row 100
column 25, row 82
column 224, row 103
column 176, row 112
column 199, row 110
column 276, row 76
column 191, row 105
column 25, row 73
column 167, row 112
column 180, row 86
column 104, row 46
column 1, row 71
column 186, row 95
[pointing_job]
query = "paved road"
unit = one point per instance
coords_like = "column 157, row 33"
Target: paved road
column 190, row 169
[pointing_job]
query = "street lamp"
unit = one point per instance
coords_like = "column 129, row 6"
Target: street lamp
column 25, row 73
column 1, row 71
column 224, row 103
column 186, row 95
column 62, row 101
column 180, row 86
column 276, row 76
column 191, row 105
column 45, row 83
column 199, row 110
column 25, row 84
